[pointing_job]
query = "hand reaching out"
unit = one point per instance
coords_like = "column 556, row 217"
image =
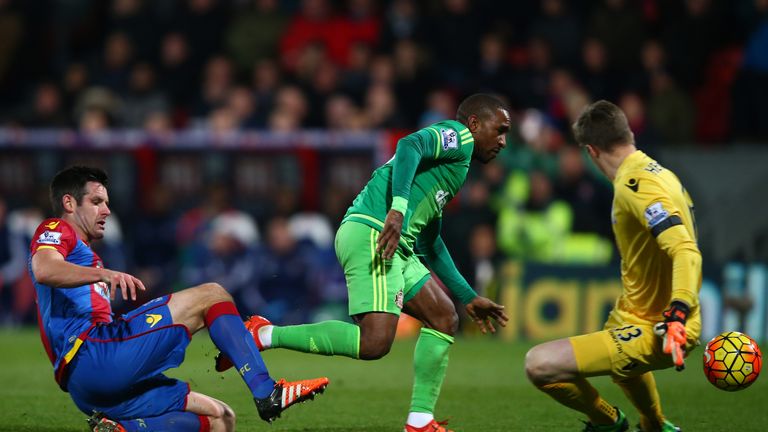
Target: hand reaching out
column 483, row 310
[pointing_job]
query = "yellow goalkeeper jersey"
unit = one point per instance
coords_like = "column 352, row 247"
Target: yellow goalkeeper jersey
column 655, row 233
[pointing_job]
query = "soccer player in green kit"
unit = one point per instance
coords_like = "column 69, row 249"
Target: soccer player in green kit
column 401, row 208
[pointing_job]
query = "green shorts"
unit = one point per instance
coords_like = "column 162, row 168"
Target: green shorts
column 375, row 284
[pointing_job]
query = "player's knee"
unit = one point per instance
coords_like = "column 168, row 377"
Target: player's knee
column 223, row 419
column 450, row 322
column 538, row 366
column 373, row 346
column 216, row 292
column 221, row 424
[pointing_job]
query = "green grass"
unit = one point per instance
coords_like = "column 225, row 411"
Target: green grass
column 485, row 390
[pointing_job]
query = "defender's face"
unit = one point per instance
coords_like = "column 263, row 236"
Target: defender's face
column 490, row 135
column 91, row 213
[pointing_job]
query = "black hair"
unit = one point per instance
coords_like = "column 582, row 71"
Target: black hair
column 482, row 105
column 72, row 181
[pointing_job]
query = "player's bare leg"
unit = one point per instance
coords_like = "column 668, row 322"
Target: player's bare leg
column 430, row 358
column 377, row 333
column 220, row 416
column 553, row 369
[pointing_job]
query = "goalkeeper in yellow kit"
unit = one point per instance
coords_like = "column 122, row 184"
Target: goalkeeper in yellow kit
column 655, row 233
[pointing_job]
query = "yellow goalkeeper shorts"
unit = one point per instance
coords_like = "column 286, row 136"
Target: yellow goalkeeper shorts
column 621, row 350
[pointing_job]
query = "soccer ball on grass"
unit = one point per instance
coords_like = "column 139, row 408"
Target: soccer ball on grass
column 732, row 361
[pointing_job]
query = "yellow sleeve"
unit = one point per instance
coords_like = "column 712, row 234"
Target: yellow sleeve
column 655, row 209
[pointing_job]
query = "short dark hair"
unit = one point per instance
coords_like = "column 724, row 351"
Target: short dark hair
column 603, row 125
column 482, row 105
column 72, row 181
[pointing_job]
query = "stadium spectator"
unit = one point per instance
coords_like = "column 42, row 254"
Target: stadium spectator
column 588, row 197
column 16, row 297
column 114, row 68
column 254, row 32
column 454, row 52
column 595, row 74
column 531, row 82
column 242, row 104
column 202, row 22
column 560, row 29
column 751, row 88
column 536, row 226
column 132, row 18
column 440, row 104
column 46, row 110
column 155, row 250
column 217, row 82
column 411, row 71
column 381, row 108
column 75, row 81
column 226, row 256
column 342, row 114
column 618, row 24
column 284, row 275
column 633, row 105
column 403, row 21
column 493, row 71
column 11, row 36
column 266, row 80
column 670, row 110
column 143, row 97
column 178, row 75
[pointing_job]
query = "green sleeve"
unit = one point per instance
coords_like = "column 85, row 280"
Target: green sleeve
column 410, row 151
column 436, row 254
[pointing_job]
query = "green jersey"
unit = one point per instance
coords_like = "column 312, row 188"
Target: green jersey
column 428, row 169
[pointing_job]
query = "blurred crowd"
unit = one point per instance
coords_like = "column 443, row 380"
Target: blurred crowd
column 684, row 71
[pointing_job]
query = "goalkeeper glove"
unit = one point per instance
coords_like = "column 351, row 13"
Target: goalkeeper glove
column 673, row 331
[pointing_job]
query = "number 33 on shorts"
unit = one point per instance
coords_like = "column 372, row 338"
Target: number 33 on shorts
column 627, row 333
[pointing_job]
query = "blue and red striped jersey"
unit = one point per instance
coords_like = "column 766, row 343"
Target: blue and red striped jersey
column 66, row 315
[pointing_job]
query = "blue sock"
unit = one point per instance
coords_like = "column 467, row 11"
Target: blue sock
column 174, row 421
column 229, row 334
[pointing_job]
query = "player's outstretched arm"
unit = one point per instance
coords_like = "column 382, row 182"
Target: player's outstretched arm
column 50, row 268
column 483, row 312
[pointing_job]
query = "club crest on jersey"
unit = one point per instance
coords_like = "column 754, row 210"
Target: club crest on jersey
column 49, row 237
column 450, row 139
column 655, row 213
column 441, row 197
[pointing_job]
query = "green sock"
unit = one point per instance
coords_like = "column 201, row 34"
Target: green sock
column 326, row 338
column 430, row 359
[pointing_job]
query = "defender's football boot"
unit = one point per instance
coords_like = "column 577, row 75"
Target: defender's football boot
column 253, row 324
column 286, row 394
column 433, row 426
column 621, row 425
column 98, row 423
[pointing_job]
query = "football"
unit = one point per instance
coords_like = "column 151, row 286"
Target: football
column 732, row 361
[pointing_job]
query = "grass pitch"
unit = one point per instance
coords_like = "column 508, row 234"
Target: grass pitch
column 485, row 390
